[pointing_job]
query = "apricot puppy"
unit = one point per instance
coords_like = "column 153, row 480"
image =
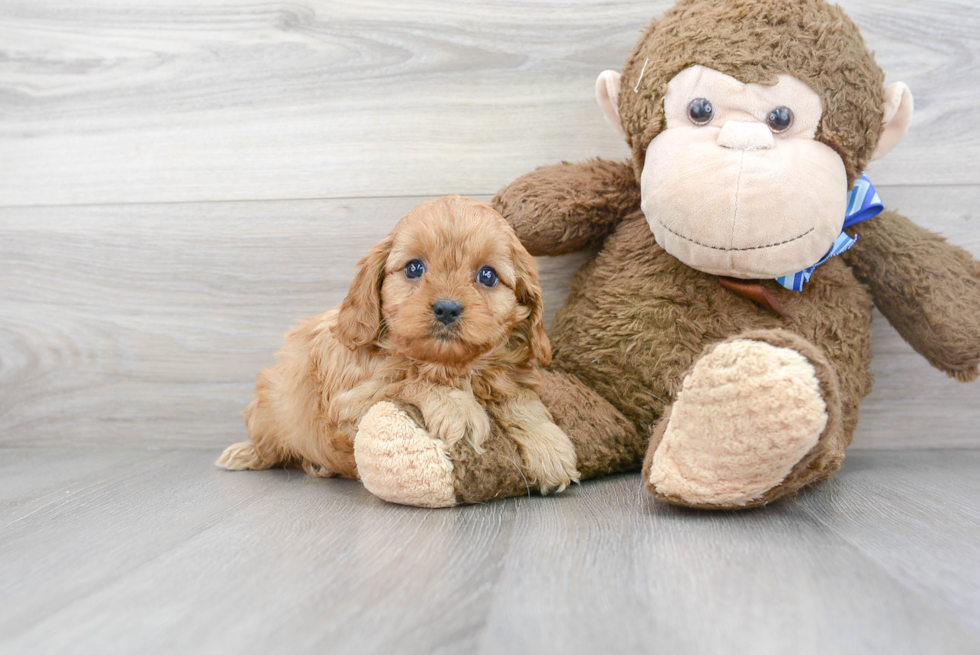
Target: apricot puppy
column 444, row 315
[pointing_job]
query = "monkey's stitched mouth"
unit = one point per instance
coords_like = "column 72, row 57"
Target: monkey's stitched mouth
column 705, row 245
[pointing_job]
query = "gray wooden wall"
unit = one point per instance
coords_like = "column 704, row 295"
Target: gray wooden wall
column 181, row 180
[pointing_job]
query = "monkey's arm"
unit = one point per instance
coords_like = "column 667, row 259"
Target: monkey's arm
column 927, row 288
column 566, row 207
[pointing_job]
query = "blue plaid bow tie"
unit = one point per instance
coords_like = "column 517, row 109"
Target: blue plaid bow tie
column 862, row 203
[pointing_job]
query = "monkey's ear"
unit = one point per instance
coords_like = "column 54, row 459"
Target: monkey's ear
column 359, row 320
column 898, row 116
column 607, row 93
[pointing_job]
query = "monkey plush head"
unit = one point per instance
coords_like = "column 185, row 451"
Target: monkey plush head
column 749, row 121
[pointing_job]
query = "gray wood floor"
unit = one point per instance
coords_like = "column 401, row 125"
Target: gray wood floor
column 111, row 550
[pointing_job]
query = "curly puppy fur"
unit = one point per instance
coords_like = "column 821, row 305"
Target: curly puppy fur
column 385, row 341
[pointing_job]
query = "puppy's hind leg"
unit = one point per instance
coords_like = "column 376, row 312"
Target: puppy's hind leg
column 317, row 470
column 242, row 456
column 261, row 424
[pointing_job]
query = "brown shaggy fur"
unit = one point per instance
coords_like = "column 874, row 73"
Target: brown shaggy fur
column 637, row 319
column 925, row 287
column 384, row 342
column 659, row 316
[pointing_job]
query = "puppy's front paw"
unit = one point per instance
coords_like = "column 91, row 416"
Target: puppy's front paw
column 454, row 415
column 446, row 425
column 399, row 462
column 549, row 457
column 477, row 422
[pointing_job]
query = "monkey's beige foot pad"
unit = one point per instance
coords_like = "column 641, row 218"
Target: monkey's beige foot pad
column 746, row 414
column 399, row 462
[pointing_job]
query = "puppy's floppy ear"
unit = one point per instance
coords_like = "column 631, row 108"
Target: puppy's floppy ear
column 359, row 321
column 528, row 291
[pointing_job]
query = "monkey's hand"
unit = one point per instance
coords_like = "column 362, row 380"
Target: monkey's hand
column 927, row 288
column 567, row 207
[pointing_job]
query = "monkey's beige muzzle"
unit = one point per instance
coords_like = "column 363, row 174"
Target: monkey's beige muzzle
column 733, row 200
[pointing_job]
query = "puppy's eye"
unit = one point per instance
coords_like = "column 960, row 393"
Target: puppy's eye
column 487, row 277
column 779, row 119
column 414, row 269
column 700, row 111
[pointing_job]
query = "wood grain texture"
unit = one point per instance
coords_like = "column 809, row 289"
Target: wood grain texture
column 148, row 323
column 133, row 101
column 172, row 555
column 884, row 508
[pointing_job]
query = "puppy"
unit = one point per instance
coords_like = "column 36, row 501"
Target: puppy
column 445, row 314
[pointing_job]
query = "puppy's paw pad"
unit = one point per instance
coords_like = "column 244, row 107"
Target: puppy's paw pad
column 242, row 456
column 317, row 471
column 399, row 462
column 746, row 414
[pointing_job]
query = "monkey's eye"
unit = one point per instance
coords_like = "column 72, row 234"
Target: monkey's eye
column 414, row 269
column 487, row 277
column 700, row 111
column 779, row 119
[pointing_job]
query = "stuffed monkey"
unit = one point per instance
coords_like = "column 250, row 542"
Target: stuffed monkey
column 702, row 320
column 720, row 337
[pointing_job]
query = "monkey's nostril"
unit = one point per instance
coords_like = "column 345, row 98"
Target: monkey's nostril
column 447, row 311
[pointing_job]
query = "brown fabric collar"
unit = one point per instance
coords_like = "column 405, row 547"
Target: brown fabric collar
column 754, row 291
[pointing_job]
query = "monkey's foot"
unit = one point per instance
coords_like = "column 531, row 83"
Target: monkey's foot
column 399, row 462
column 746, row 414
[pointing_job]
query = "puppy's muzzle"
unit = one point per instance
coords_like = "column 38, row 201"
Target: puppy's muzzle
column 447, row 311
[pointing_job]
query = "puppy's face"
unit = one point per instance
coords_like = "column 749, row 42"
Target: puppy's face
column 453, row 283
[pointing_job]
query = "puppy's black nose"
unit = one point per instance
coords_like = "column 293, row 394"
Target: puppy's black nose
column 447, row 311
